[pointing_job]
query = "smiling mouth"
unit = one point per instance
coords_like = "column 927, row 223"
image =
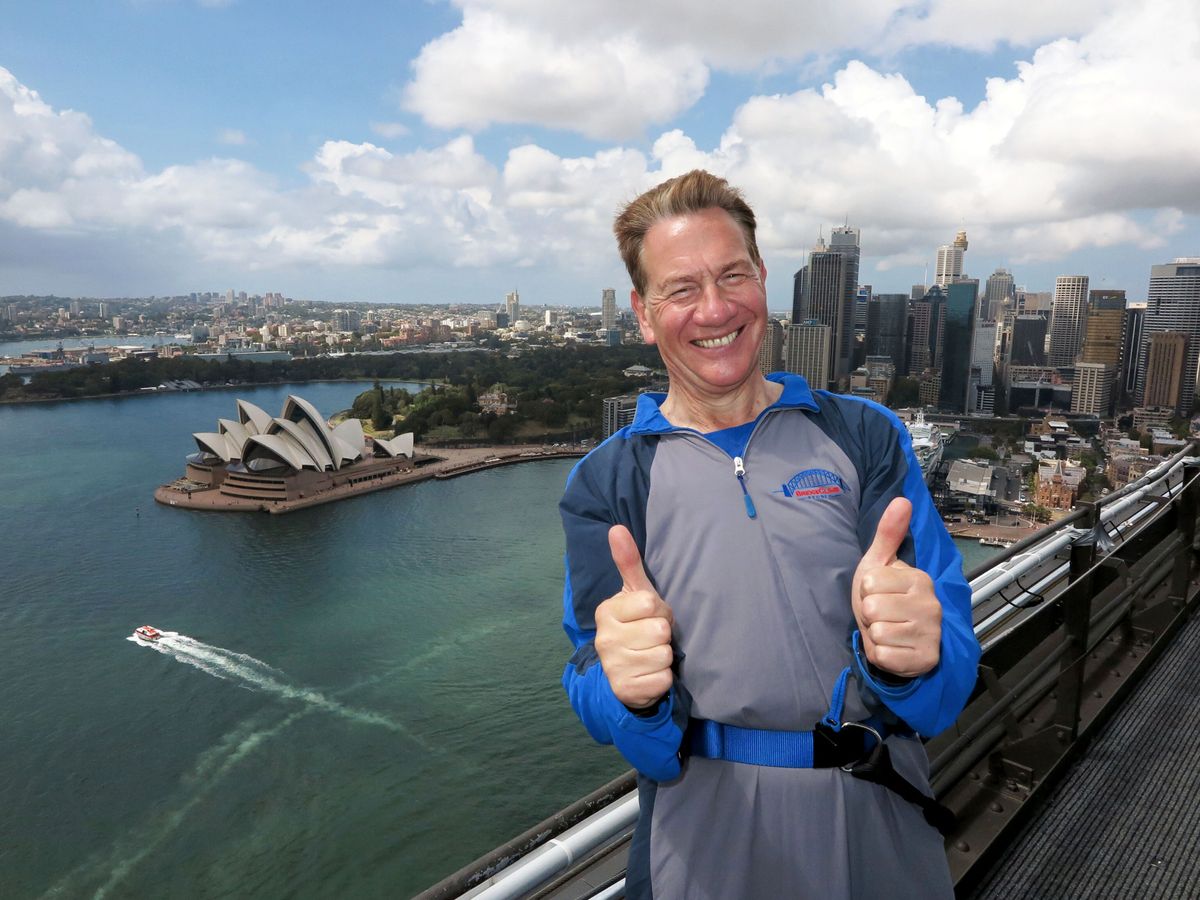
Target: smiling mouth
column 718, row 342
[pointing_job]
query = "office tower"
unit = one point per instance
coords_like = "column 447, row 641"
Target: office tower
column 501, row 319
column 1173, row 304
column 981, row 395
column 512, row 306
column 962, row 296
column 918, row 291
column 608, row 308
column 844, row 241
column 1131, row 343
column 998, row 292
column 1029, row 302
column 861, row 300
column 925, row 324
column 1091, row 391
column 887, row 321
column 1028, row 346
column 950, row 260
column 798, row 295
column 770, row 351
column 807, row 352
column 1166, row 357
column 1067, row 318
column 550, row 318
column 825, row 299
column 1104, row 328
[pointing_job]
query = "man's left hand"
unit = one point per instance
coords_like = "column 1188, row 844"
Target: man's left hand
column 898, row 614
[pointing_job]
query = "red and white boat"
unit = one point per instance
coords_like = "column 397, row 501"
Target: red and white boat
column 147, row 633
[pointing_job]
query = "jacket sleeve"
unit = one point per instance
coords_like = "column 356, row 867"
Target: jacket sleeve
column 931, row 702
column 649, row 743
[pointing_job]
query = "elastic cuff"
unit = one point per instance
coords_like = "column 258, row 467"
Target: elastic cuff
column 875, row 678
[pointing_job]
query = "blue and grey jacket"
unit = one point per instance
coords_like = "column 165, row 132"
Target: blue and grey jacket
column 757, row 569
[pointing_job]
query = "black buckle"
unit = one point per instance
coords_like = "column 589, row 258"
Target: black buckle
column 846, row 748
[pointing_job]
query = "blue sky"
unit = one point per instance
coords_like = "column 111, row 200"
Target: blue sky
column 446, row 151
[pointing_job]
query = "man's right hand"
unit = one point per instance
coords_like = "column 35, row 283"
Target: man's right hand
column 633, row 630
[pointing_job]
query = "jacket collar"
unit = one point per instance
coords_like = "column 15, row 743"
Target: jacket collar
column 648, row 418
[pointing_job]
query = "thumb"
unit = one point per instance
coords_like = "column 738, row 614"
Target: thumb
column 627, row 559
column 889, row 534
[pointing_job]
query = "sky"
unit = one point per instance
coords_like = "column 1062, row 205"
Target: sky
column 423, row 151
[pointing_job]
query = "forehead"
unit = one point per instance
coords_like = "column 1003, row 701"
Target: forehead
column 677, row 246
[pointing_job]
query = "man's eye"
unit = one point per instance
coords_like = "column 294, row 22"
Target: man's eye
column 735, row 277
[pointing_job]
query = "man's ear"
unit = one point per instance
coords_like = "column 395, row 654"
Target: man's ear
column 639, row 309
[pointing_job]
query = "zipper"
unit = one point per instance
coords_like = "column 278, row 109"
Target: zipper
column 739, row 469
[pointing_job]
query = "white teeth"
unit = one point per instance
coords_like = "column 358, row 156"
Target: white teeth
column 718, row 342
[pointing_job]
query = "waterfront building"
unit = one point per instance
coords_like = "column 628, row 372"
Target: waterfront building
column 1067, row 318
column 806, row 352
column 618, row 412
column 949, row 266
column 1173, row 304
column 770, row 351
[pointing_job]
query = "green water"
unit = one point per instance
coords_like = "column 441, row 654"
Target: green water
column 362, row 697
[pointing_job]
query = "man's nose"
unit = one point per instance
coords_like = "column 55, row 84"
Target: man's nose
column 714, row 306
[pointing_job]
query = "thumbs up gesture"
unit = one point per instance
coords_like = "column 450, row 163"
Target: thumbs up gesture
column 898, row 614
column 633, row 630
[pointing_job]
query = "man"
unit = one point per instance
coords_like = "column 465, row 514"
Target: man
column 732, row 556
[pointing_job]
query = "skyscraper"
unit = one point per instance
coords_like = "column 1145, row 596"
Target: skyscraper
column 887, row 321
column 999, row 290
column 1091, row 389
column 925, row 324
column 1173, row 304
column 825, row 299
column 961, row 299
column 950, row 260
column 1166, row 356
column 512, row 306
column 1067, row 318
column 1131, row 344
column 770, row 351
column 608, row 308
column 807, row 352
column 845, row 241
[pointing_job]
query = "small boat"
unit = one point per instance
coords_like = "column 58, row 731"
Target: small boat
column 995, row 542
column 147, row 633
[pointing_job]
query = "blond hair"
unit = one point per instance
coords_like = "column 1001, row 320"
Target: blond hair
column 695, row 191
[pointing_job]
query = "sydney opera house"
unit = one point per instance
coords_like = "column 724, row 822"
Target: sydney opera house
column 295, row 459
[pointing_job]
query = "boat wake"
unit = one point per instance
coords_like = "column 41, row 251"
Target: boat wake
column 255, row 674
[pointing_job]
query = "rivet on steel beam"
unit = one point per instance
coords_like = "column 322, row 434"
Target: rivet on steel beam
column 995, row 806
column 963, row 847
column 1098, row 694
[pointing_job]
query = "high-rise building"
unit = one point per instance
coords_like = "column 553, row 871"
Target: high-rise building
column 770, row 351
column 962, row 297
column 997, row 293
column 512, row 306
column 618, row 412
column 825, row 299
column 807, row 352
column 925, row 324
column 1091, row 391
column 1104, row 328
column 1029, row 302
column 1067, row 318
column 887, row 321
column 950, row 260
column 1131, row 343
column 861, row 300
column 1166, row 359
column 608, row 308
column 1173, row 304
column 1028, row 346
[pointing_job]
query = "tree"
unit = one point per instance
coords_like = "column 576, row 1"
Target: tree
column 379, row 419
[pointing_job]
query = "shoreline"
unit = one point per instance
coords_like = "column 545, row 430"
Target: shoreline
column 446, row 463
column 19, row 401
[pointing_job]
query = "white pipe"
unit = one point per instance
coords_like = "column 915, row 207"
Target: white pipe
column 555, row 856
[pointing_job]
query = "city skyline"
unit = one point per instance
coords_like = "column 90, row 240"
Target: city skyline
column 425, row 152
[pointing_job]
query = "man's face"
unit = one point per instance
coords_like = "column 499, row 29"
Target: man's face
column 705, row 304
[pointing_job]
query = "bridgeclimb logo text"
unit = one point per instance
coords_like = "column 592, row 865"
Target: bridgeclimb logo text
column 814, row 484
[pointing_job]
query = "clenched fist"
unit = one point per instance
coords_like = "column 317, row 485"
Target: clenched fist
column 898, row 614
column 633, row 630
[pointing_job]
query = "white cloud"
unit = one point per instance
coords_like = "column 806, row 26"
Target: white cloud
column 232, row 137
column 390, row 130
column 493, row 69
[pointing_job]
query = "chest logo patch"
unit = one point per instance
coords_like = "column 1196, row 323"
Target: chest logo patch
column 814, row 484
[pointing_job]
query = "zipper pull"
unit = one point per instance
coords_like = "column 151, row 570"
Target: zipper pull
column 739, row 469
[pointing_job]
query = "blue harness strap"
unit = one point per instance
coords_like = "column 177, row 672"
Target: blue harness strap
column 857, row 747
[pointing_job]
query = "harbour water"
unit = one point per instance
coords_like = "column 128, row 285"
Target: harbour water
column 355, row 699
